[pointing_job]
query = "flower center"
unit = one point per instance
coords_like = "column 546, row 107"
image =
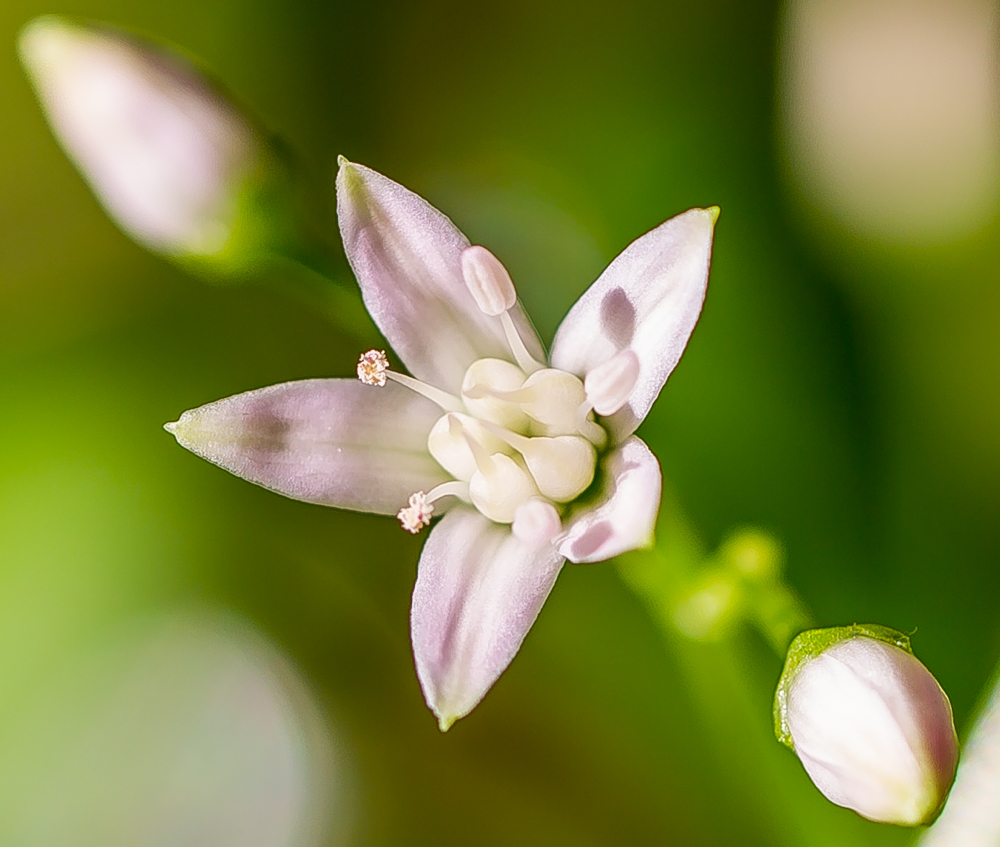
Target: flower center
column 520, row 440
column 508, row 440
column 519, row 437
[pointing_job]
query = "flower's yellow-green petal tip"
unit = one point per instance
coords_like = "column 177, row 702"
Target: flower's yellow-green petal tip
column 713, row 212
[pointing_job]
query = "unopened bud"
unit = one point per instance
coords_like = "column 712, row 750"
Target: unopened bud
column 488, row 281
column 754, row 555
column 174, row 163
column 871, row 726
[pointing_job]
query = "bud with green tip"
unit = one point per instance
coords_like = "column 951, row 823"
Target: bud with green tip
column 869, row 722
column 173, row 161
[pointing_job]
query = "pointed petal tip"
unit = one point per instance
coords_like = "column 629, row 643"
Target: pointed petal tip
column 171, row 427
column 350, row 179
column 41, row 40
column 713, row 212
column 445, row 722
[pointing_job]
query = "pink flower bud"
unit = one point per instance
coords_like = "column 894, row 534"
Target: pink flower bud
column 169, row 157
column 869, row 722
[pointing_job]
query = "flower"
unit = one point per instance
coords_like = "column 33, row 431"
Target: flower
column 529, row 461
column 176, row 165
column 869, row 722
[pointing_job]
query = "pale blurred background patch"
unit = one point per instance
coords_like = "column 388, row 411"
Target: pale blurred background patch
column 891, row 113
column 187, row 730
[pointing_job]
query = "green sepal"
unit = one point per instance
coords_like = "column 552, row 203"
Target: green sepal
column 810, row 644
column 263, row 228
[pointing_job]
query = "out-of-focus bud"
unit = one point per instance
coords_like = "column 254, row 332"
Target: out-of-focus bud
column 871, row 726
column 754, row 555
column 173, row 161
column 711, row 606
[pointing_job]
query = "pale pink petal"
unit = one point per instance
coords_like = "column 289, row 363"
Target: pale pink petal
column 479, row 590
column 407, row 257
column 330, row 441
column 648, row 299
column 624, row 516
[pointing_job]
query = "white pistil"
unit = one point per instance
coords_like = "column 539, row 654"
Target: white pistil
column 373, row 369
column 593, row 432
column 418, row 514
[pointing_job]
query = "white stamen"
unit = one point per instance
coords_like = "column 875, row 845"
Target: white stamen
column 417, row 515
column 492, row 289
column 373, row 369
column 447, row 444
column 494, row 375
column 488, row 281
column 446, row 401
column 521, row 354
column 609, row 385
column 483, row 459
column 449, row 489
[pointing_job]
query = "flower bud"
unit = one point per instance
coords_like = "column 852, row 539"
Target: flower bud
column 174, row 163
column 871, row 726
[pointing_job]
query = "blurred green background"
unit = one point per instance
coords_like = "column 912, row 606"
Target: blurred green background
column 840, row 391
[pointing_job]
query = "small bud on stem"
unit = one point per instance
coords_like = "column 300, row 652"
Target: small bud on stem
column 871, row 726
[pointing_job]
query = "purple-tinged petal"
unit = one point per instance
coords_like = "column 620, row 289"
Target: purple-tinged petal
column 479, row 590
column 648, row 299
column 334, row 442
column 407, row 257
column 624, row 517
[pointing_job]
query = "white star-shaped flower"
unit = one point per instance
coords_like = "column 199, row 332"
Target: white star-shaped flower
column 530, row 460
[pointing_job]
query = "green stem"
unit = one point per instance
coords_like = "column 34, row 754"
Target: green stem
column 337, row 301
column 731, row 684
column 779, row 614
